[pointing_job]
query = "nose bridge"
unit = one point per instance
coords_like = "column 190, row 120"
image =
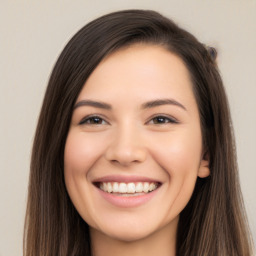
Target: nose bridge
column 127, row 145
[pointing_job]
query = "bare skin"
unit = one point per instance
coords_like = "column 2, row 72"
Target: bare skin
column 135, row 121
column 161, row 243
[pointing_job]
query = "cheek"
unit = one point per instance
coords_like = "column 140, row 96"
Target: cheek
column 79, row 157
column 80, row 153
column 179, row 153
column 179, row 156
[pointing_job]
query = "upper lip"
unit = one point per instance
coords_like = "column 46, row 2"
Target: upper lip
column 126, row 179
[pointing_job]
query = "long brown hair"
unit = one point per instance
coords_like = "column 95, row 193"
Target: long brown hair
column 214, row 222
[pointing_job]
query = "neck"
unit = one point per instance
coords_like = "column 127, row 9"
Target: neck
column 162, row 242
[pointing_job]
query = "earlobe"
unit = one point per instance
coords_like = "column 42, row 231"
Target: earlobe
column 204, row 170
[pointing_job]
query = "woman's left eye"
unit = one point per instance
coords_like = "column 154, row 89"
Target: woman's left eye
column 162, row 120
column 93, row 120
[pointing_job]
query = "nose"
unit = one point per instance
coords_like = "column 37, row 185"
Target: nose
column 126, row 147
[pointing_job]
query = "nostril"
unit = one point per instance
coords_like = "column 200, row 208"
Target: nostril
column 125, row 152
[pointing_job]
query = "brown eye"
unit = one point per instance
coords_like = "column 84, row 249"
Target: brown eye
column 92, row 120
column 162, row 120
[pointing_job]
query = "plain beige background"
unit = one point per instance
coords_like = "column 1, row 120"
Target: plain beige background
column 33, row 33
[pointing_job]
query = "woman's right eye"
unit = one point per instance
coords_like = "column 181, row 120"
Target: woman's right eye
column 93, row 120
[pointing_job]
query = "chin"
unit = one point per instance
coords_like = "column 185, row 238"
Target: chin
column 126, row 235
column 125, row 230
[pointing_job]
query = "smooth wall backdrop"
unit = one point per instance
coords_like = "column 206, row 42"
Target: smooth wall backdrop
column 33, row 33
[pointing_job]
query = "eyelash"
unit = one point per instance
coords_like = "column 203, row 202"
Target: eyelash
column 162, row 117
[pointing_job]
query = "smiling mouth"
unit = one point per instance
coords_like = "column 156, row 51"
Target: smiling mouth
column 127, row 189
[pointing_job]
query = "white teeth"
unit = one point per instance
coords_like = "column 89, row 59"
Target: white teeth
column 115, row 187
column 146, row 187
column 109, row 187
column 128, row 188
column 139, row 187
column 152, row 186
column 122, row 188
column 131, row 188
column 105, row 186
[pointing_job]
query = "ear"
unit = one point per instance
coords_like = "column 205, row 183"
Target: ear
column 204, row 170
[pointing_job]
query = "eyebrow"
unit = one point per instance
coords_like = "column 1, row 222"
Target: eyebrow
column 92, row 103
column 146, row 105
column 160, row 102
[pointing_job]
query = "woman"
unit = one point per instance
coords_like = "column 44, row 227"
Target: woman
column 134, row 150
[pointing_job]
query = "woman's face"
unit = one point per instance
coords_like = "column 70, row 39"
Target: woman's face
column 134, row 148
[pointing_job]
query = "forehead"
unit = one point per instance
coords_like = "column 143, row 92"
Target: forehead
column 139, row 71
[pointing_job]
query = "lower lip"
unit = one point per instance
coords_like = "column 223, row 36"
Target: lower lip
column 127, row 201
